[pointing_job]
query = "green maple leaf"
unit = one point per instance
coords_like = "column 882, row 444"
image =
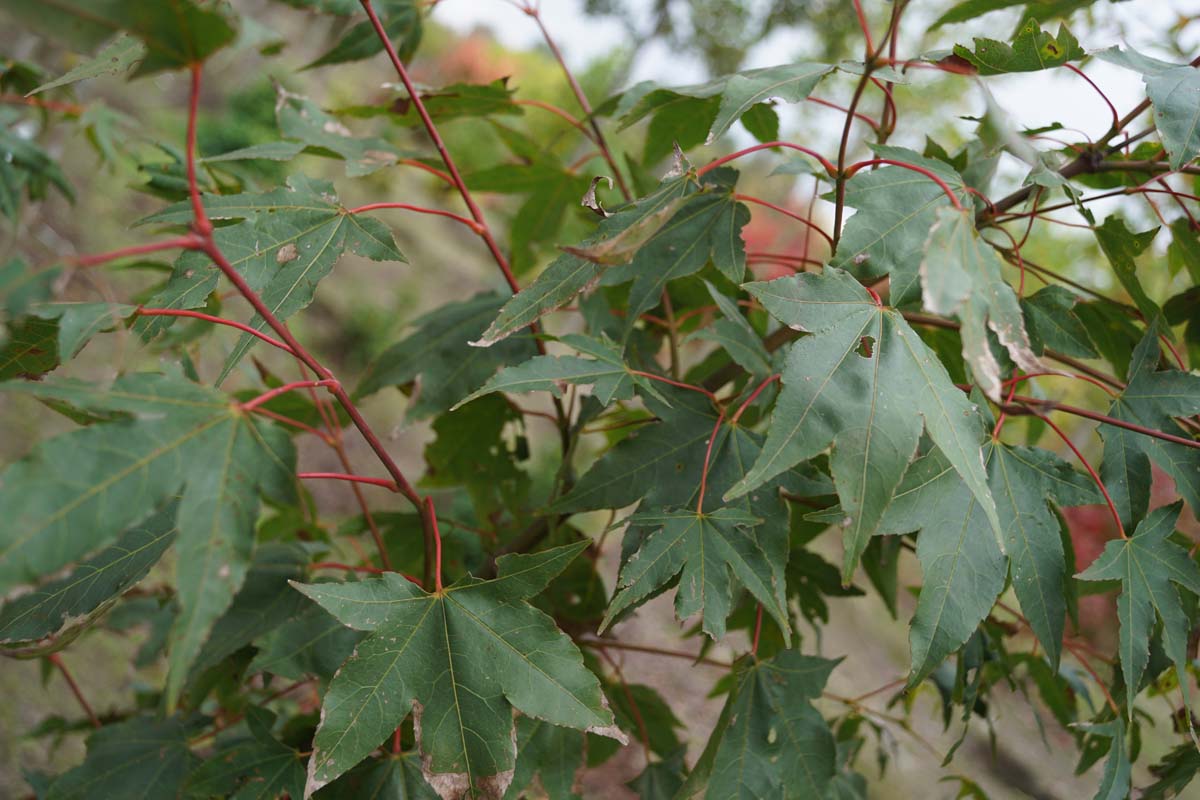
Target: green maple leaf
column 608, row 373
column 76, row 492
column 1121, row 247
column 310, row 643
column 137, row 759
column 661, row 464
column 392, row 776
column 866, row 384
column 288, row 240
column 706, row 550
column 960, row 274
column 461, row 660
column 401, row 21
column 176, row 33
column 1152, row 399
column 53, row 614
column 552, row 754
column 1050, row 321
column 1032, row 49
column 1146, row 564
column 1023, row 479
column 670, row 233
column 302, row 119
column 256, row 768
column 770, row 741
column 738, row 93
column 1174, row 91
column 896, row 208
column 963, row 571
column 437, row 354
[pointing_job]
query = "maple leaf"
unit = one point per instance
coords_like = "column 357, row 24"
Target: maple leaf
column 612, row 378
column 896, row 207
column 1151, row 399
column 673, row 232
column 960, row 274
column 704, row 549
column 770, row 741
column 437, row 354
column 461, row 660
column 76, row 492
column 963, row 570
column 865, row 383
column 1146, row 564
column 288, row 240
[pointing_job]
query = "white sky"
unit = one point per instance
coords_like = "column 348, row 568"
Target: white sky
column 1060, row 95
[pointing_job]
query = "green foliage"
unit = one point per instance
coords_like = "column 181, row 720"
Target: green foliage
column 909, row 395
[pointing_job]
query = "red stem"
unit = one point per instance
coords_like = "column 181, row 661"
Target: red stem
column 758, row 615
column 1115, row 116
column 1119, row 423
column 437, row 539
column 431, row 129
column 753, row 396
column 708, row 460
column 470, row 223
column 858, row 114
column 412, row 162
column 853, row 168
column 679, row 384
column 188, row 242
column 862, row 23
column 295, row 423
column 342, row 476
column 581, row 98
column 1086, row 465
column 825, row 162
column 265, row 397
column 201, row 223
column 1050, row 374
column 179, row 312
column 746, row 198
column 57, row 661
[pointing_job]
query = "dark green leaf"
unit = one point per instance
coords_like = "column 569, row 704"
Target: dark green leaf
column 461, row 660
column 289, row 239
column 118, row 56
column 1122, row 246
column 301, row 119
column 770, row 741
column 440, row 355
column 1152, row 399
column 176, row 33
column 1031, row 50
column 709, row 552
column 1051, row 323
column 52, row 615
column 550, row 753
column 896, row 208
column 139, row 759
column 870, row 401
column 1147, row 564
column 401, row 20
column 75, row 493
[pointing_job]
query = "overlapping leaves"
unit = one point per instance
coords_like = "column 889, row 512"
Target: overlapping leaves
column 75, row 493
column 288, row 240
column 686, row 222
column 865, row 383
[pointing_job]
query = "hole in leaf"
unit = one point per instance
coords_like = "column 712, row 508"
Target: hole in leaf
column 866, row 346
